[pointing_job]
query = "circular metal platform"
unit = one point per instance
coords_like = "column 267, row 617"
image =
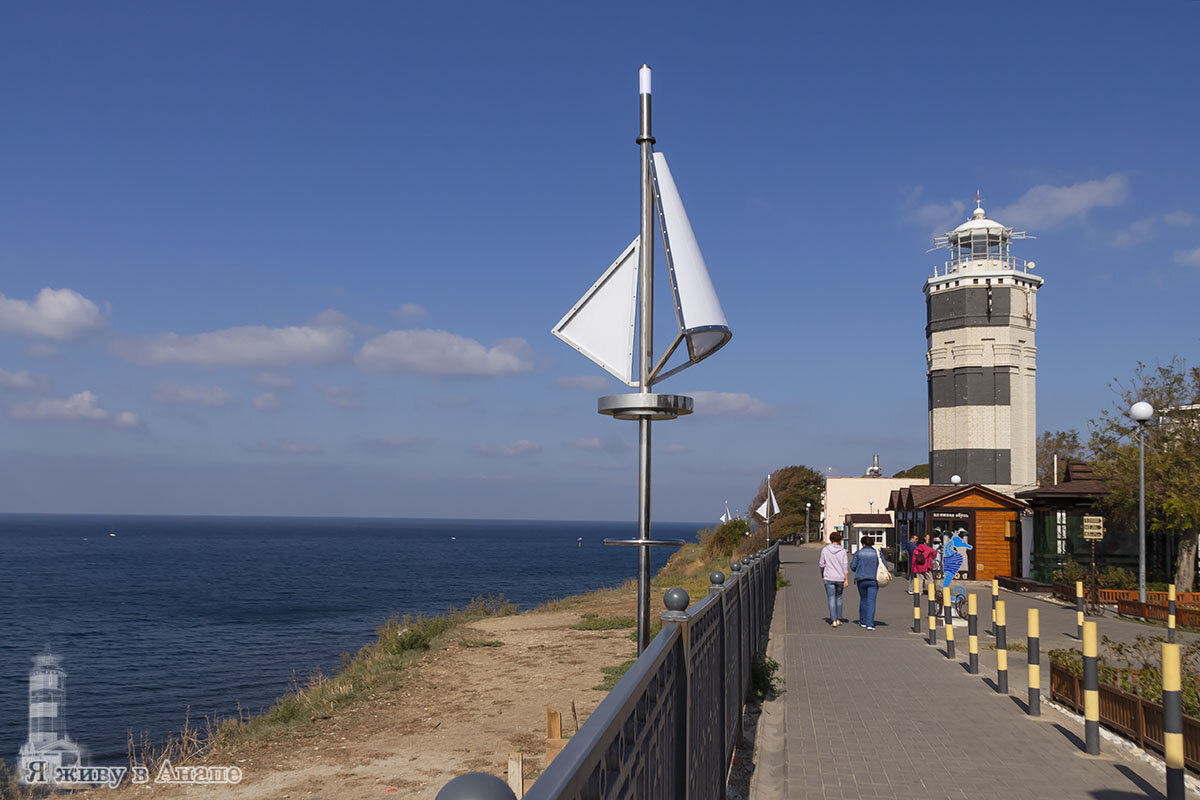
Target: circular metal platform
column 649, row 542
column 644, row 406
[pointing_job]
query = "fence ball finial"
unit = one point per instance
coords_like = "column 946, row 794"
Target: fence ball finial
column 716, row 578
column 476, row 786
column 736, row 566
column 746, row 561
column 676, row 599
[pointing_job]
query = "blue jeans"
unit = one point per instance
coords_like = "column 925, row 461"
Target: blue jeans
column 833, row 593
column 867, row 589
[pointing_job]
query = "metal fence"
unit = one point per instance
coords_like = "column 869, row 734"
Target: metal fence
column 668, row 729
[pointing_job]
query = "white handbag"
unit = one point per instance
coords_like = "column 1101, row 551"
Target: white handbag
column 882, row 576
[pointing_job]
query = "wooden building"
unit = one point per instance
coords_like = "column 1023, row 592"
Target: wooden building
column 985, row 519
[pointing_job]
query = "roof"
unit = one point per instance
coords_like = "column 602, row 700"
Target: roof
column 1080, row 481
column 914, row 497
column 870, row 519
column 978, row 222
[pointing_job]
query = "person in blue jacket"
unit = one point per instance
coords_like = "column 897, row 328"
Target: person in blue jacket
column 865, row 564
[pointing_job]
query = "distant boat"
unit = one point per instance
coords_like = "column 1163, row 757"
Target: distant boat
column 580, row 541
column 112, row 534
column 454, row 538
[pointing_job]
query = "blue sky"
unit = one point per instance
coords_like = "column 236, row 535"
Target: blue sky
column 303, row 258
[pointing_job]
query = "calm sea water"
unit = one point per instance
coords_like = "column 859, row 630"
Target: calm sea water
column 210, row 612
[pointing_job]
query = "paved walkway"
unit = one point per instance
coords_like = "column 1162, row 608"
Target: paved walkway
column 884, row 715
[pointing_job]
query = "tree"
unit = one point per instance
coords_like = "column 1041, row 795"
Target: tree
column 1172, row 456
column 1064, row 444
column 793, row 487
column 918, row 471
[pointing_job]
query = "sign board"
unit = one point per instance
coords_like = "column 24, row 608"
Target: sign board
column 1093, row 528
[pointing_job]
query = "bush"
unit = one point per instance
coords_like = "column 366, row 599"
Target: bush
column 1071, row 572
column 592, row 622
column 1118, row 578
column 1136, row 667
column 719, row 542
column 764, row 677
column 613, row 675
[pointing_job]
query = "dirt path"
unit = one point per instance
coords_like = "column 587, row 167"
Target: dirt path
column 460, row 709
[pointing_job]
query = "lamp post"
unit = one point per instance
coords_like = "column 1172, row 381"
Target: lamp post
column 807, row 510
column 1141, row 412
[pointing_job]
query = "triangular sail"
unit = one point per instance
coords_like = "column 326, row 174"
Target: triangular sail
column 774, row 503
column 601, row 324
column 702, row 323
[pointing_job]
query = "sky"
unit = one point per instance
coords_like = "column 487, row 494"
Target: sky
column 304, row 258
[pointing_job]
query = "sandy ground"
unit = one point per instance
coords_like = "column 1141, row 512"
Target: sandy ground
column 460, row 709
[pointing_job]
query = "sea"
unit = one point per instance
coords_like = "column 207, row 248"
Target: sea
column 156, row 618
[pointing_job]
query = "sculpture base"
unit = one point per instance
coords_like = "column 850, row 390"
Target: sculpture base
column 644, row 406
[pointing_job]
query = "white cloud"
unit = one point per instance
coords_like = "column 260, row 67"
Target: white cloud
column 274, row 381
column 583, row 383
column 677, row 448
column 410, row 314
column 1045, row 206
column 168, row 394
column 521, row 447
column 442, row 354
column 608, row 445
column 936, row 217
column 1135, row 233
column 58, row 314
column 244, row 346
column 79, row 407
column 284, row 447
column 1180, row 218
column 343, row 397
column 390, row 443
column 267, row 401
column 728, row 404
column 22, row 382
column 1189, row 257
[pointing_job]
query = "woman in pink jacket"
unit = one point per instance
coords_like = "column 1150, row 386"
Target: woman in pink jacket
column 835, row 573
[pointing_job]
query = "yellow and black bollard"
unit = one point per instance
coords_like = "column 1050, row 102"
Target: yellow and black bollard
column 916, row 593
column 1091, row 691
column 1172, row 720
column 995, row 599
column 1171, row 613
column 1079, row 610
column 1001, row 650
column 932, row 617
column 972, row 636
column 948, row 611
column 1035, row 665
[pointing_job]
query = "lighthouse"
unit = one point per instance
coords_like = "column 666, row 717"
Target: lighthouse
column 48, row 746
column 981, row 362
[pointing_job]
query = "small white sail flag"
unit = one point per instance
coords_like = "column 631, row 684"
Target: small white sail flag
column 770, row 506
column 702, row 323
column 601, row 324
column 726, row 516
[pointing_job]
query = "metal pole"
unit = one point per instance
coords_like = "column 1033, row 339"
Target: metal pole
column 646, row 357
column 1091, row 691
column 1173, row 720
column 807, row 536
column 1141, row 512
column 1034, row 661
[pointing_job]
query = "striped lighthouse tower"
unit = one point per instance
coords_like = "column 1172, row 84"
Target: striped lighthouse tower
column 981, row 309
column 48, row 746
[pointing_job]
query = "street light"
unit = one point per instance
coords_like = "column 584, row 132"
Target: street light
column 1141, row 412
column 807, row 509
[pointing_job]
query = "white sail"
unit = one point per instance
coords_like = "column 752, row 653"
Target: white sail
column 601, row 324
column 774, row 503
column 702, row 323
column 770, row 506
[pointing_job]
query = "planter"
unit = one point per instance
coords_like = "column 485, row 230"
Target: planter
column 1128, row 714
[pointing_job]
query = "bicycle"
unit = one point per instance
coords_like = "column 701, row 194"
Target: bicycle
column 958, row 602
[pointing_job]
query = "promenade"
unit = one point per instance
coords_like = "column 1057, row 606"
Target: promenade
column 883, row 715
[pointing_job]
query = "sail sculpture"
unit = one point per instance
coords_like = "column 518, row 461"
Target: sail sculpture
column 613, row 325
column 726, row 516
column 769, row 509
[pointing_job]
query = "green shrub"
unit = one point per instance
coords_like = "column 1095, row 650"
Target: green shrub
column 1118, row 578
column 720, row 542
column 482, row 643
column 1136, row 667
column 781, row 581
column 1071, row 572
column 764, row 677
column 612, row 675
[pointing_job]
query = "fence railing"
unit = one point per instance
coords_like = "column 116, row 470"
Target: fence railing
column 1129, row 714
column 1181, row 598
column 1187, row 616
column 669, row 727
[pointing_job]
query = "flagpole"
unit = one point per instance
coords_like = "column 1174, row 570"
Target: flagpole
column 645, row 142
column 768, row 509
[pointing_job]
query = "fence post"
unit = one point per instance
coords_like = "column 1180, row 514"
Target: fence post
column 1079, row 610
column 916, row 593
column 1172, row 720
column 1171, row 613
column 995, row 599
column 1035, row 665
column 948, row 611
column 932, row 632
column 1001, row 650
column 972, row 636
column 1091, row 691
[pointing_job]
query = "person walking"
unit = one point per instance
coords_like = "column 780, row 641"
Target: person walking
column 836, row 576
column 865, row 565
column 909, row 547
column 923, row 559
